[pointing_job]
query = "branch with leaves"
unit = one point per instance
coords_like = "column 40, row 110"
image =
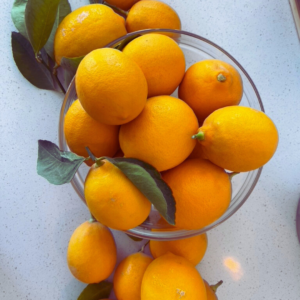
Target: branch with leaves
column 59, row 167
column 33, row 46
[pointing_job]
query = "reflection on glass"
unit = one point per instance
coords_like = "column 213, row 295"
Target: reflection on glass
column 233, row 267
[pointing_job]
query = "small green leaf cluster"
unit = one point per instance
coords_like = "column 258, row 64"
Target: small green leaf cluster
column 59, row 167
column 33, row 46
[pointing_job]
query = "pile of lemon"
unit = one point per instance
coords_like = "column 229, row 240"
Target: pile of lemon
column 124, row 108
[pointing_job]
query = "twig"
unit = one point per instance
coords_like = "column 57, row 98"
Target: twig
column 40, row 60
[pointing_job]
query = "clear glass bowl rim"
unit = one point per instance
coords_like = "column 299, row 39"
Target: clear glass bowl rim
column 165, row 235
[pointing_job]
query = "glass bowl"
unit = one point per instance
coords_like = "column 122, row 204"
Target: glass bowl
column 195, row 48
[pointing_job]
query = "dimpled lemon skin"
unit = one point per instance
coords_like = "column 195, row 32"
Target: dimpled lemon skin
column 113, row 199
column 172, row 277
column 204, row 93
column 193, row 248
column 129, row 274
column 161, row 60
column 160, row 134
column 85, row 29
column 83, row 131
column 239, row 138
column 202, row 192
column 152, row 14
column 111, row 87
column 92, row 252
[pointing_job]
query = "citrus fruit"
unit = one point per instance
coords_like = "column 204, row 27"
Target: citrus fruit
column 161, row 60
column 210, row 84
column 197, row 152
column 85, row 29
column 129, row 274
column 160, row 134
column 113, row 199
column 193, row 248
column 119, row 153
column 202, row 192
column 111, row 87
column 171, row 277
column 123, row 4
column 92, row 253
column 152, row 14
column 238, row 138
column 83, row 131
column 211, row 290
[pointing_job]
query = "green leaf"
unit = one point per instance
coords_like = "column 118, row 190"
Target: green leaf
column 148, row 180
column 58, row 167
column 96, row 291
column 36, row 73
column 134, row 238
column 126, row 41
column 71, row 64
column 18, row 16
column 39, row 18
column 63, row 10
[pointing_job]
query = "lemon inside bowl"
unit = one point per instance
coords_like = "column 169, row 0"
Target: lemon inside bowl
column 195, row 48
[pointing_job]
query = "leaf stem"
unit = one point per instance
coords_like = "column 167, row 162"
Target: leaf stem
column 92, row 156
column 144, row 246
column 59, row 83
column 40, row 60
column 99, row 161
column 118, row 10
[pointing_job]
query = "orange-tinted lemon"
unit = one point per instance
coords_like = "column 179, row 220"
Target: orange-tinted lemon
column 210, row 84
column 92, row 253
column 197, row 152
column 129, row 274
column 113, row 199
column 193, row 248
column 238, row 138
column 111, row 87
column 82, row 131
column 159, row 135
column 85, row 29
column 202, row 192
column 171, row 277
column 148, row 14
column 161, row 60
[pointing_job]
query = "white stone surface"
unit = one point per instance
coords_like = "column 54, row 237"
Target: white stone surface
column 37, row 219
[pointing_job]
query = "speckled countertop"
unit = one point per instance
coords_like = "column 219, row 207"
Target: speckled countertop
column 259, row 242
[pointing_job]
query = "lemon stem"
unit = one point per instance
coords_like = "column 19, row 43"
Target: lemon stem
column 232, row 174
column 117, row 10
column 99, row 161
column 199, row 136
column 92, row 219
column 215, row 286
column 221, row 77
